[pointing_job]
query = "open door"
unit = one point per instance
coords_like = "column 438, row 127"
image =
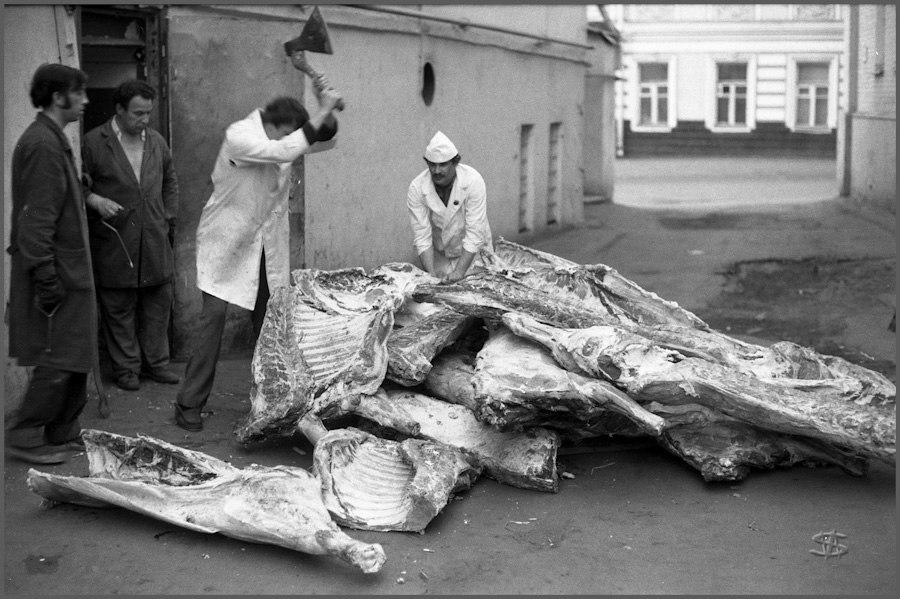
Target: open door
column 119, row 43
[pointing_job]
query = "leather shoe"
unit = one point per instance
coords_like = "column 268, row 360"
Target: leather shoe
column 129, row 381
column 162, row 375
column 43, row 454
column 188, row 418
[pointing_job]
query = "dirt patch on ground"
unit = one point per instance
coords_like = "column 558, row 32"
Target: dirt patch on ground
column 810, row 302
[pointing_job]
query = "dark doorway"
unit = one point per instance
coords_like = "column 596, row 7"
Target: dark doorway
column 119, row 43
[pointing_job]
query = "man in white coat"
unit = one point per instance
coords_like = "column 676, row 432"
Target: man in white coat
column 243, row 234
column 447, row 205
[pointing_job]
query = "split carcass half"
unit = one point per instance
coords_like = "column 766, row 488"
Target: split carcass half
column 411, row 349
column 279, row 506
column 308, row 363
column 517, row 384
column 372, row 483
column 567, row 295
column 646, row 372
column 725, row 449
column 521, row 459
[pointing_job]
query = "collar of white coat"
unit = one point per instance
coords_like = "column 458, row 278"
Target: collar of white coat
column 457, row 192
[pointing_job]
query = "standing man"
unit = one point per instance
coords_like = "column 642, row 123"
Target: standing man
column 52, row 314
column 243, row 234
column 447, row 205
column 133, row 191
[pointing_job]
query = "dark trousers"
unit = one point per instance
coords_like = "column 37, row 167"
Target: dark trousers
column 200, row 372
column 136, row 321
column 50, row 409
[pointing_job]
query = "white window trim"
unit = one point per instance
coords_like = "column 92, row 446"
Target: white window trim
column 634, row 110
column 712, row 77
column 790, row 112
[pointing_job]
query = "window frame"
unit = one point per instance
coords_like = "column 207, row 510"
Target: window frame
column 713, row 93
column 634, row 111
column 792, row 92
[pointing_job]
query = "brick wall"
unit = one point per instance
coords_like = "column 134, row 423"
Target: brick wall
column 877, row 93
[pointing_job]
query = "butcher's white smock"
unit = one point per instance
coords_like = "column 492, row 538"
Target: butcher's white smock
column 460, row 225
column 247, row 211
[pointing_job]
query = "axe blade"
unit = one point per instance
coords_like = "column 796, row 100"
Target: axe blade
column 313, row 37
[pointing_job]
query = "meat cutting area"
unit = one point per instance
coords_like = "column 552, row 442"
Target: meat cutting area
column 412, row 391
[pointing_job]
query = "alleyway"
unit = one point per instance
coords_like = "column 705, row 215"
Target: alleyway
column 631, row 519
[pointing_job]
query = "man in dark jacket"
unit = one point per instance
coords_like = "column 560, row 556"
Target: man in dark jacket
column 133, row 192
column 52, row 314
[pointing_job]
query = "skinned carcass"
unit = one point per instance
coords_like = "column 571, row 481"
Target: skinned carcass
column 517, row 384
column 371, row 483
column 646, row 372
column 521, row 459
column 280, row 506
column 308, row 363
column 411, row 349
column 725, row 449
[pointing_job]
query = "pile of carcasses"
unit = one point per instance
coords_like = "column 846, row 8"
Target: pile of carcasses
column 490, row 375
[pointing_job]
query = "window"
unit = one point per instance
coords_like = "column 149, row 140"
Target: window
column 654, row 94
column 812, row 94
column 731, row 94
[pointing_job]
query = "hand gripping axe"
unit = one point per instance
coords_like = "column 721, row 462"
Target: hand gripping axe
column 313, row 38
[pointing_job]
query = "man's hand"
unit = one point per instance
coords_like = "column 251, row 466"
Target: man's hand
column 106, row 207
column 48, row 291
column 453, row 277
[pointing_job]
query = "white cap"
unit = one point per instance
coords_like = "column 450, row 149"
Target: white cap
column 440, row 149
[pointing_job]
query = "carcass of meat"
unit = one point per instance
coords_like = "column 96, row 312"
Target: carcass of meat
column 308, row 362
column 725, row 449
column 517, row 384
column 450, row 378
column 280, row 506
column 646, row 372
column 522, row 459
column 351, row 290
column 377, row 484
column 599, row 287
column 412, row 348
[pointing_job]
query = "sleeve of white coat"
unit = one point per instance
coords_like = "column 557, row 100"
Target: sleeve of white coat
column 419, row 218
column 476, row 216
column 244, row 146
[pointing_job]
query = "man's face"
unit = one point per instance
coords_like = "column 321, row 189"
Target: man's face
column 279, row 132
column 442, row 173
column 135, row 117
column 72, row 104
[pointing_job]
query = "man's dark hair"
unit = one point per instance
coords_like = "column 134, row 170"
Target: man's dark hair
column 285, row 111
column 131, row 88
column 53, row 77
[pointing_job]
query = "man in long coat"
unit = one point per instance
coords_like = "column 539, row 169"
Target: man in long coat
column 243, row 234
column 52, row 315
column 133, row 191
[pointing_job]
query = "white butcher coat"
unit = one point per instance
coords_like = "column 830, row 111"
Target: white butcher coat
column 247, row 211
column 461, row 224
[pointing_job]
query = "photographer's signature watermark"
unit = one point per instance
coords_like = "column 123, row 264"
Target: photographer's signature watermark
column 831, row 544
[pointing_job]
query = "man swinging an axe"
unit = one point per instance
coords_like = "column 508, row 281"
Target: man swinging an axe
column 243, row 233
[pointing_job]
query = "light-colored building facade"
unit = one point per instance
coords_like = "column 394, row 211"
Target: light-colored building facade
column 867, row 148
column 730, row 78
column 506, row 83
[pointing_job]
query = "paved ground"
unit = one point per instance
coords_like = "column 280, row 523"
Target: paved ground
column 633, row 519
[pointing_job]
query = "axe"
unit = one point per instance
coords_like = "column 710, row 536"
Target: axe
column 313, row 38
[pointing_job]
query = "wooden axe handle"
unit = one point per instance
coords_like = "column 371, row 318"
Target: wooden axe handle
column 318, row 79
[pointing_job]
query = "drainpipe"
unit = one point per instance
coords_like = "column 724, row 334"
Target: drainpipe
column 845, row 139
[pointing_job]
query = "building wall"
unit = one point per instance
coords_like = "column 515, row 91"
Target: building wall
column 600, row 120
column 872, row 119
column 488, row 84
column 32, row 35
column 691, row 39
